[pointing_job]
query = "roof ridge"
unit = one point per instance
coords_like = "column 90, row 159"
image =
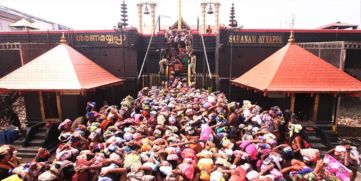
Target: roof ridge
column 88, row 61
column 284, row 51
column 67, row 48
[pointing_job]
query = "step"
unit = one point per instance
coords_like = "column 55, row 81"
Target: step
column 32, row 124
column 311, row 134
column 319, row 146
column 330, row 133
column 327, row 127
column 39, row 135
column 36, row 142
column 29, row 149
column 334, row 144
column 26, row 155
column 333, row 139
column 314, row 139
column 319, row 122
column 18, row 142
column 42, row 129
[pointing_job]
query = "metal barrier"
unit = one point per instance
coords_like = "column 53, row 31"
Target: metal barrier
column 152, row 79
column 199, row 80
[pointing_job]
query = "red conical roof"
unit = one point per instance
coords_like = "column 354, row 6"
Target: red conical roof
column 61, row 68
column 293, row 69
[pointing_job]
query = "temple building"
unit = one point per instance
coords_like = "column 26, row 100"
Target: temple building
column 131, row 56
column 14, row 20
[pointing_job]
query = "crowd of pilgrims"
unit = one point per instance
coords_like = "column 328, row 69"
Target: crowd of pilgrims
column 181, row 133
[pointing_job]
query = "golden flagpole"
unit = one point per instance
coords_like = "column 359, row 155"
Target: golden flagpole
column 179, row 15
column 189, row 74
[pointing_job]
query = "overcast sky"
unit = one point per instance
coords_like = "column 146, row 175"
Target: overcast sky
column 104, row 14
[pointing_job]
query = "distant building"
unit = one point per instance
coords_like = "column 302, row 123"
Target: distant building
column 14, row 20
column 338, row 25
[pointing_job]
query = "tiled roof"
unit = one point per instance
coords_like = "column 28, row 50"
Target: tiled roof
column 293, row 69
column 338, row 25
column 61, row 68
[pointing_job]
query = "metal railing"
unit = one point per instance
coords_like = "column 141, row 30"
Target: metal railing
column 201, row 80
column 206, row 57
column 146, row 53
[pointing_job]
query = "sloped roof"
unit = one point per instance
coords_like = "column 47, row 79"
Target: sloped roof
column 293, row 69
column 61, row 68
column 19, row 14
column 338, row 25
column 23, row 23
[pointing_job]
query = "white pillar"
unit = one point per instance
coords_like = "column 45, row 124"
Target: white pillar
column 216, row 14
column 140, row 21
column 152, row 12
column 204, row 5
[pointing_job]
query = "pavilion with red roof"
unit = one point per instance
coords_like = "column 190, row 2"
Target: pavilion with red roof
column 293, row 70
column 59, row 71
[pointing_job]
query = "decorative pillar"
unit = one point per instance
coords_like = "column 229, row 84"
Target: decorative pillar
column 179, row 15
column 315, row 107
column 216, row 14
column 140, row 21
column 335, row 112
column 293, row 97
column 204, row 5
column 58, row 106
column 152, row 13
column 41, row 102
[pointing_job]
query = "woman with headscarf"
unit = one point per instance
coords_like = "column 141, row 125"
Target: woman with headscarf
column 296, row 140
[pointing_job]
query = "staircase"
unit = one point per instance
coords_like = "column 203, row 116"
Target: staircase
column 332, row 137
column 37, row 136
column 321, row 137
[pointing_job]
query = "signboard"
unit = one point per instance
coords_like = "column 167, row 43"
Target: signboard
column 105, row 39
column 253, row 39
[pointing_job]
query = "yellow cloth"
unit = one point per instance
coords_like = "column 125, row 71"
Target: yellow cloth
column 204, row 176
column 205, row 164
column 13, row 178
column 131, row 159
column 4, row 149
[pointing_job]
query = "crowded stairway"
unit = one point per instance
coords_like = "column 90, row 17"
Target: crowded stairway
column 178, row 59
